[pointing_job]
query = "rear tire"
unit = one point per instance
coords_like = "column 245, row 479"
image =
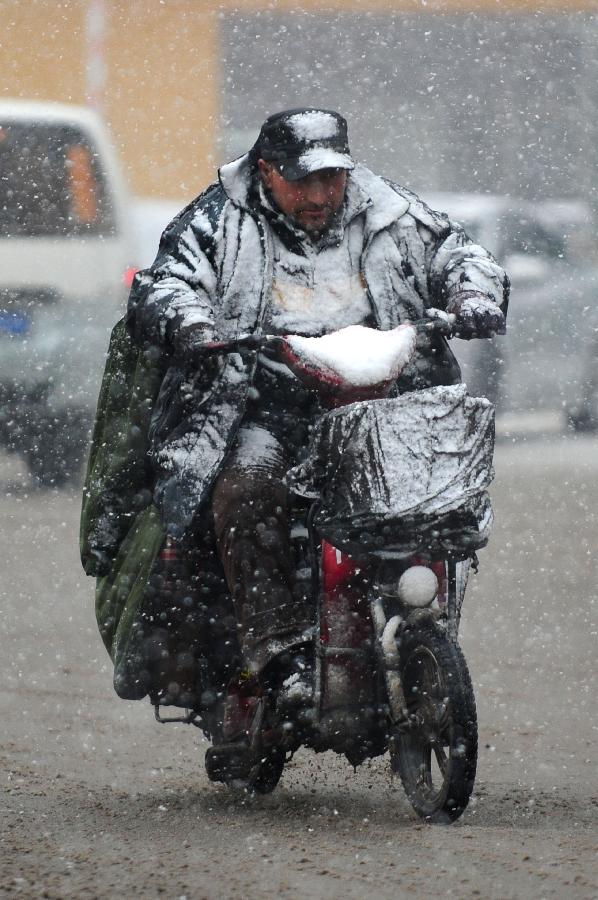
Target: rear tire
column 267, row 775
column 435, row 754
column 236, row 767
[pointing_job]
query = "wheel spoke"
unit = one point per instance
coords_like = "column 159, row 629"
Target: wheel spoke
column 425, row 770
column 441, row 758
column 443, row 717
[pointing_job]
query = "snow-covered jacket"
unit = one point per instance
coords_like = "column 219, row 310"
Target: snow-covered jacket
column 212, row 279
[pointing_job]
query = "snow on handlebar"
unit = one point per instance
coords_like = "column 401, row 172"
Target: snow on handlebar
column 437, row 322
column 354, row 359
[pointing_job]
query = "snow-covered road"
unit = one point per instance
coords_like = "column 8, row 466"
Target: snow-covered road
column 99, row 801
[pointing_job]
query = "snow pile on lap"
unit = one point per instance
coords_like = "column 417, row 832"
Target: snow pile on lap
column 403, row 476
column 358, row 355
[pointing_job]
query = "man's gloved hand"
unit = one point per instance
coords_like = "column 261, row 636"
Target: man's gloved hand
column 476, row 316
column 189, row 338
column 443, row 322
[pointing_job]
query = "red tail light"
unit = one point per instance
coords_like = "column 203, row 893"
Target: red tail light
column 129, row 275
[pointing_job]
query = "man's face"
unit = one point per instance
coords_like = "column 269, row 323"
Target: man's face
column 310, row 202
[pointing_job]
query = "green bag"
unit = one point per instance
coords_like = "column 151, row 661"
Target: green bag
column 117, row 482
column 119, row 601
column 121, row 536
column 170, row 631
column 120, row 532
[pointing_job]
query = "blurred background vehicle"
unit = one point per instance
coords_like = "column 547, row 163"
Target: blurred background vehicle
column 544, row 372
column 66, row 251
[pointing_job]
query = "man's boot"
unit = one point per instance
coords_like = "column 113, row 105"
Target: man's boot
column 292, row 681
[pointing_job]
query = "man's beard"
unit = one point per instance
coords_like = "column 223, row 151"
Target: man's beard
column 293, row 222
column 317, row 229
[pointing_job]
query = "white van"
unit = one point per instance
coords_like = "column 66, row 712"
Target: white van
column 66, row 257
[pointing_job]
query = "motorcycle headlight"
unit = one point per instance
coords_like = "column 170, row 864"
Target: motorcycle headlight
column 417, row 586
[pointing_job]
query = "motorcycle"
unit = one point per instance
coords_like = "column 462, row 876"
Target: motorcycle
column 392, row 507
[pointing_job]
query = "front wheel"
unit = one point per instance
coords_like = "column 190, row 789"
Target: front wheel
column 435, row 751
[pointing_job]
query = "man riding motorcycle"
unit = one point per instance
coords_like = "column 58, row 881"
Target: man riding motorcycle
column 294, row 238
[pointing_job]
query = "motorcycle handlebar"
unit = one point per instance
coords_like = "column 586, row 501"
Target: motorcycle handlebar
column 245, row 342
column 442, row 325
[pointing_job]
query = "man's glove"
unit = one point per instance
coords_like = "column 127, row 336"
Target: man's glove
column 441, row 321
column 476, row 316
column 188, row 338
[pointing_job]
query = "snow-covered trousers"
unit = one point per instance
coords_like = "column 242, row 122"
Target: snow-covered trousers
column 250, row 506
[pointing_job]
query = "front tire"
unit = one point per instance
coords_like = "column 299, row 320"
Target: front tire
column 435, row 752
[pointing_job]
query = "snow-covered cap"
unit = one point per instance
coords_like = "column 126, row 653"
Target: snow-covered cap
column 304, row 140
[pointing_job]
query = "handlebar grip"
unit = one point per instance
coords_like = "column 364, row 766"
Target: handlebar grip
column 249, row 342
column 443, row 325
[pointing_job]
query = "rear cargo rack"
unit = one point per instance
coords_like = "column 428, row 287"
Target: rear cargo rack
column 191, row 717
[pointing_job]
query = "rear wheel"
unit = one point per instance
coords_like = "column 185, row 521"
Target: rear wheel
column 237, row 767
column 266, row 775
column 435, row 753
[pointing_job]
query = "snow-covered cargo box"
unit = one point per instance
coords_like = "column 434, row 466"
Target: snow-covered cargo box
column 404, row 476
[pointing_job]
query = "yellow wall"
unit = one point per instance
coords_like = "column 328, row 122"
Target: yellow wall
column 161, row 89
column 42, row 50
column 162, row 95
column 162, row 92
column 433, row 6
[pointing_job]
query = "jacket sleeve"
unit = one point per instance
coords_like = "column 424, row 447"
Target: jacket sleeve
column 172, row 303
column 466, row 280
column 454, row 274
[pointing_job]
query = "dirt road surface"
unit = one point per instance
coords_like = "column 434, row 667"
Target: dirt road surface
column 98, row 801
